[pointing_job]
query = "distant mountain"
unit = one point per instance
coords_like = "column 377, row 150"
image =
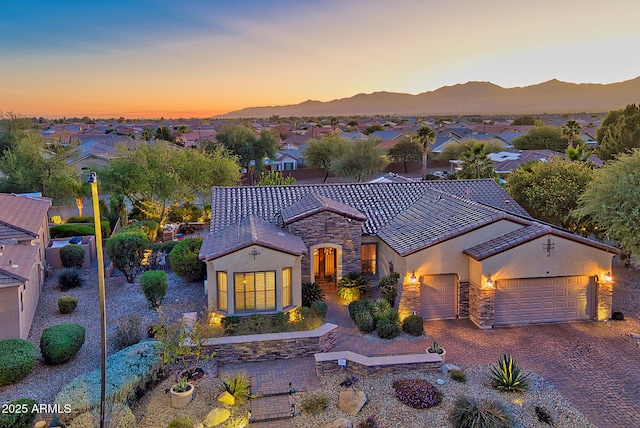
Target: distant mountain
column 483, row 98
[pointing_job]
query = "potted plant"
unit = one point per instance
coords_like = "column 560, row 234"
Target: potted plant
column 181, row 393
column 437, row 349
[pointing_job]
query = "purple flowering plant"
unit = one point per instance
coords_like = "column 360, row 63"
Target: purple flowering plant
column 417, row 393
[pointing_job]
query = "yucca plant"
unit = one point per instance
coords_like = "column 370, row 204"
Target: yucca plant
column 238, row 385
column 311, row 292
column 352, row 286
column 379, row 307
column 507, row 375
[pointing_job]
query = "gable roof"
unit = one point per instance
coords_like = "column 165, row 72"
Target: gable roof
column 23, row 213
column 250, row 230
column 311, row 204
column 16, row 263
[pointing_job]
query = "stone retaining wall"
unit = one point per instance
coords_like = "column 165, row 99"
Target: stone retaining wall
column 275, row 346
column 362, row 365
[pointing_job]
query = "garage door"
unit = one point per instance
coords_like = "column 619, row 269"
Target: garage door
column 538, row 300
column 438, row 296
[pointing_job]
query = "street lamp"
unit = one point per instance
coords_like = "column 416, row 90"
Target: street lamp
column 93, row 181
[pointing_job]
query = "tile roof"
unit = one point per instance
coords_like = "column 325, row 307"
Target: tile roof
column 24, row 213
column 250, row 230
column 311, row 204
column 16, row 261
column 526, row 234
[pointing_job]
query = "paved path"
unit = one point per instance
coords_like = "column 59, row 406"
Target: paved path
column 593, row 367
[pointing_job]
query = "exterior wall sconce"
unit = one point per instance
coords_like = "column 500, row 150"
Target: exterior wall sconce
column 489, row 282
column 607, row 277
column 413, row 279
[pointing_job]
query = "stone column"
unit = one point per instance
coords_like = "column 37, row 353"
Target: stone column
column 482, row 305
column 408, row 299
column 604, row 299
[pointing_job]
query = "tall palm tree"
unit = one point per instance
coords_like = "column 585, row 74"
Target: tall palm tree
column 79, row 189
column 425, row 136
column 571, row 129
column 476, row 162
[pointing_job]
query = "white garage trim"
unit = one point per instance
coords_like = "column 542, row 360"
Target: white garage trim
column 439, row 296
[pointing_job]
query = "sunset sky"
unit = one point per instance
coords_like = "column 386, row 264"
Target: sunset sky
column 197, row 58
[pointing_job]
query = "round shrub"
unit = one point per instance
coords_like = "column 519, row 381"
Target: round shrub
column 358, row 306
column 311, row 292
column 319, row 308
column 413, row 325
column 389, row 287
column 72, row 256
column 59, row 343
column 417, row 393
column 181, row 422
column 69, row 278
column 387, row 329
column 17, row 357
column 22, row 417
column 115, row 416
column 67, row 304
column 365, row 322
column 154, row 285
column 185, row 261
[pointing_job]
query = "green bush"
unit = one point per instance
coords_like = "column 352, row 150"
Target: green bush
column 126, row 250
column 319, row 308
column 311, row 292
column 238, row 385
column 392, row 315
column 80, row 219
column 129, row 372
column 22, row 417
column 365, row 322
column 379, row 307
column 280, row 322
column 255, row 324
column 154, row 285
column 181, row 422
column 67, row 304
column 72, row 256
column 353, row 286
column 59, row 343
column 17, row 358
column 389, row 287
column 387, row 329
column 315, row 404
column 185, row 261
column 469, row 413
column 70, row 278
column 507, row 375
column 115, row 416
column 358, row 306
column 164, row 247
column 413, row 325
column 148, row 227
column 128, row 331
column 458, row 376
column 71, row 230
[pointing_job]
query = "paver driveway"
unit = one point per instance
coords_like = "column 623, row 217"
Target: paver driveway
column 595, row 368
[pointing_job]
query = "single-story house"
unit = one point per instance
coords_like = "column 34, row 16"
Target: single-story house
column 463, row 249
column 24, row 235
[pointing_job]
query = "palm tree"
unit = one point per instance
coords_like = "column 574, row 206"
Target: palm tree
column 79, row 189
column 476, row 162
column 570, row 130
column 425, row 137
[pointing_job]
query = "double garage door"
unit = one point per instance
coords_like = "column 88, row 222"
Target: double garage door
column 438, row 296
column 538, row 300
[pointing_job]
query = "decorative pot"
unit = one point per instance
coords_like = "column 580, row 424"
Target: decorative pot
column 181, row 399
column 442, row 355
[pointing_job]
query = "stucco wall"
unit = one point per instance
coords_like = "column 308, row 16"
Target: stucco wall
column 9, row 313
column 243, row 261
column 30, row 296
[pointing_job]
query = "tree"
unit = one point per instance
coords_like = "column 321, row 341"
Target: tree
column 251, row 150
column 275, row 178
column 579, row 153
column 543, row 138
column 425, row 137
column 323, row 152
column 12, row 129
column 550, row 190
column 79, row 189
column 405, row 150
column 570, row 129
column 611, row 201
column 147, row 134
column 372, row 128
column 619, row 133
column 126, row 251
column 455, row 150
column 525, row 120
column 476, row 162
column 164, row 133
column 360, row 160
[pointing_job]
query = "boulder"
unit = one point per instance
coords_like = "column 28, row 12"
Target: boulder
column 216, row 417
column 226, row 398
column 340, row 423
column 446, row 368
column 351, row 401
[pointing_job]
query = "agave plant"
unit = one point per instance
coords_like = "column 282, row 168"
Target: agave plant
column 352, row 286
column 311, row 292
column 507, row 375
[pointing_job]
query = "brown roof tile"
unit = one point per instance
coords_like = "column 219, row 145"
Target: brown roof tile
column 311, row 204
column 24, row 213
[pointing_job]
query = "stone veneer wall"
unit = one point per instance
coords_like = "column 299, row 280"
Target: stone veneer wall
column 362, row 366
column 327, row 227
column 482, row 306
column 463, row 300
column 408, row 299
column 275, row 346
column 604, row 301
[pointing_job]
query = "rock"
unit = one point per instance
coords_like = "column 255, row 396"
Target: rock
column 340, row 423
column 446, row 368
column 40, row 424
column 635, row 335
column 227, row 398
column 216, row 417
column 351, row 401
column 440, row 382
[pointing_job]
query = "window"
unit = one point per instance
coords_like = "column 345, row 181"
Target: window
column 286, row 287
column 368, row 256
column 255, row 291
column 288, row 166
column 222, row 291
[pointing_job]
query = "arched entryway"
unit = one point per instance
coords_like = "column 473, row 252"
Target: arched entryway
column 326, row 264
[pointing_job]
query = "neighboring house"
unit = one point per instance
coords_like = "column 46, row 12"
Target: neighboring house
column 24, row 235
column 463, row 248
column 509, row 160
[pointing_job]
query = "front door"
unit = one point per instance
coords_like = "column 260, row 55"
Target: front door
column 324, row 260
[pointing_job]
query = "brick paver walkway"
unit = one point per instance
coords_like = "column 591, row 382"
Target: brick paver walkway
column 595, row 369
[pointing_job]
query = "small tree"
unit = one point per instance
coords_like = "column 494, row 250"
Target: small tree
column 72, row 256
column 360, row 160
column 126, row 251
column 185, row 261
column 154, row 286
column 405, row 150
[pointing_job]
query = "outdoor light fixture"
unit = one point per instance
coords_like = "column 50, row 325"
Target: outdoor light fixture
column 607, row 277
column 489, row 282
column 413, row 278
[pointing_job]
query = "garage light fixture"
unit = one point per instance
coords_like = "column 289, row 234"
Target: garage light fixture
column 413, row 279
column 489, row 282
column 607, row 277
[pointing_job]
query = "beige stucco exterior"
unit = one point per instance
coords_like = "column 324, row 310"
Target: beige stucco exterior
column 243, row 260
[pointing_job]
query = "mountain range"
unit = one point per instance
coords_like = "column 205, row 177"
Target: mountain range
column 471, row 98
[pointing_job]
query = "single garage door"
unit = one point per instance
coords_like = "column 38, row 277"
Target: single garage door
column 438, row 296
column 538, row 300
